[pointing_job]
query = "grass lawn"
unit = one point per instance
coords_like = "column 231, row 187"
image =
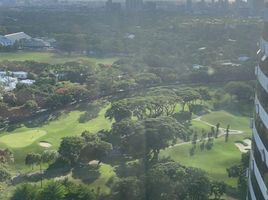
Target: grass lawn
column 53, row 132
column 214, row 161
column 23, row 139
column 224, row 118
column 52, row 58
column 199, row 126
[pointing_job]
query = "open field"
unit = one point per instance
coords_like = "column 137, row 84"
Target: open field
column 224, row 118
column 208, row 160
column 24, row 140
column 214, row 161
column 52, row 58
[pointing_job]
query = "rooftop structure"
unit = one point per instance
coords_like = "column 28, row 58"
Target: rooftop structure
column 4, row 41
column 14, row 37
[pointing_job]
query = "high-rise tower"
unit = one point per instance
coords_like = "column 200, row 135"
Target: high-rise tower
column 258, row 170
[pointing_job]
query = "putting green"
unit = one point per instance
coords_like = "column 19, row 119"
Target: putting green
column 22, row 139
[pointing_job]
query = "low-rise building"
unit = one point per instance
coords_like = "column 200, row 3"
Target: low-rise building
column 4, row 41
column 16, row 37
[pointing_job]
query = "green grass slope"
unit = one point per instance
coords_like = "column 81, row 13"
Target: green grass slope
column 214, row 161
column 24, row 140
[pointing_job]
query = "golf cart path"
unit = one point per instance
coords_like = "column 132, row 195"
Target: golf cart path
column 221, row 134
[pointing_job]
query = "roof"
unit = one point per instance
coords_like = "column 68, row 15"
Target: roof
column 18, row 36
column 4, row 41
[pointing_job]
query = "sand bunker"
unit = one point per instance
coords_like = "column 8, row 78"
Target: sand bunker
column 244, row 148
column 45, row 144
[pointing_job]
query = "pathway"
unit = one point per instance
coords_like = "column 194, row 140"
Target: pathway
column 222, row 133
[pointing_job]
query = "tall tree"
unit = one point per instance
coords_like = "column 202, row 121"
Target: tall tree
column 25, row 192
column 71, row 147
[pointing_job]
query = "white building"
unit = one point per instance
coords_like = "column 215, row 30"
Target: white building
column 15, row 37
column 4, row 41
column 20, row 74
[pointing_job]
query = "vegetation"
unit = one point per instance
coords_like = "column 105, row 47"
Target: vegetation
column 110, row 117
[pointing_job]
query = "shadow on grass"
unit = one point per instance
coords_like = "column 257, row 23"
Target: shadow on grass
column 42, row 120
column 239, row 109
column 86, row 173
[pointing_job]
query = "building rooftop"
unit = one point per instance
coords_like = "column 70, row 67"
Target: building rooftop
column 18, row 36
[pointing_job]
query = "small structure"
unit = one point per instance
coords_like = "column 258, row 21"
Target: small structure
column 36, row 43
column 27, row 82
column 20, row 75
column 3, row 73
column 196, row 66
column 243, row 58
column 4, row 41
column 9, row 83
column 16, row 37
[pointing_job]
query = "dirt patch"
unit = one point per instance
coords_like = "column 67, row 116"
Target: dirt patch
column 242, row 147
column 45, row 144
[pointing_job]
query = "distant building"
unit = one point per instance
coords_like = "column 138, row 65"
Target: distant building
column 16, row 37
column 4, row 41
column 27, row 82
column 9, row 79
column 3, row 73
column 35, row 43
column 25, row 41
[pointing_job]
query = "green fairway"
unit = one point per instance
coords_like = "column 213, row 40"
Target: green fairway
column 22, row 139
column 66, row 125
column 199, row 126
column 224, row 118
column 214, row 161
column 52, row 58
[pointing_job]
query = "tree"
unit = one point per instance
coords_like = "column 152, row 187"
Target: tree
column 95, row 150
column 25, row 192
column 187, row 96
column 240, row 171
column 194, row 140
column 242, row 91
column 53, row 191
column 32, row 159
column 169, row 180
column 71, row 147
column 218, row 188
column 10, row 98
column 227, row 133
column 147, row 79
column 159, row 132
column 198, row 184
column 78, row 192
column 217, row 129
column 4, row 175
column 6, row 156
column 204, row 94
column 213, row 133
column 31, row 105
column 130, row 188
column 118, row 111
column 49, row 156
